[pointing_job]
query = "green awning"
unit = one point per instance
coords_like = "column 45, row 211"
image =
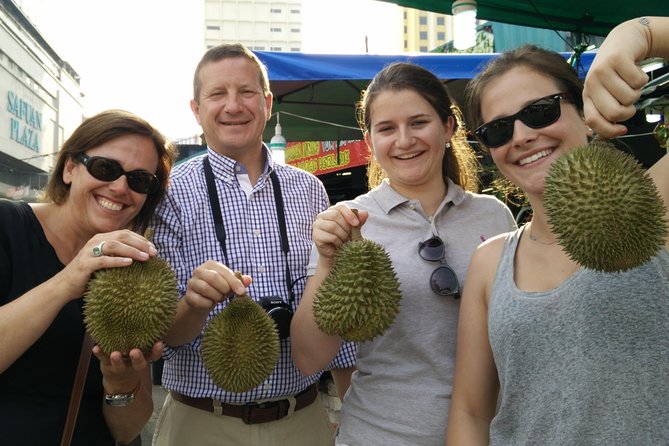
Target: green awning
column 596, row 17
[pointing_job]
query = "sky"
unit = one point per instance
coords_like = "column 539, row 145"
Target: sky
column 140, row 55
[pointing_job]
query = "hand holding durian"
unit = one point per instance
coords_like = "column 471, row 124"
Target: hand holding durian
column 131, row 307
column 360, row 298
column 240, row 345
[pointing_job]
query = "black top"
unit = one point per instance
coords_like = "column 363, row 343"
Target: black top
column 35, row 390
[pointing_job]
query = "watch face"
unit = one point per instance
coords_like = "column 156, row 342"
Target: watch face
column 119, row 400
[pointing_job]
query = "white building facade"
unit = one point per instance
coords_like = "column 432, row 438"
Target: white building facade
column 259, row 25
column 40, row 105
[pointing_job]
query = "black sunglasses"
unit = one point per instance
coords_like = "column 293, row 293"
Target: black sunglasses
column 540, row 113
column 443, row 280
column 106, row 169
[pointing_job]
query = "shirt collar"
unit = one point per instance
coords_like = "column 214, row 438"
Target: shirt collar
column 224, row 166
column 388, row 198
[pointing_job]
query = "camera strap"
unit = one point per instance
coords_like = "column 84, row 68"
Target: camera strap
column 214, row 201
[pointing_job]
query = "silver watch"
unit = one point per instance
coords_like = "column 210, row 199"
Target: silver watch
column 119, row 399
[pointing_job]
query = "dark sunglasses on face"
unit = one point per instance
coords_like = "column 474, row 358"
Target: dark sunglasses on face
column 539, row 114
column 106, row 169
column 443, row 280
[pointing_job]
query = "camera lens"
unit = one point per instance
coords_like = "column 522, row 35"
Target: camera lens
column 280, row 312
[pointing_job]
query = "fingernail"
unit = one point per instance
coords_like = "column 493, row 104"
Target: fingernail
column 143, row 255
column 622, row 132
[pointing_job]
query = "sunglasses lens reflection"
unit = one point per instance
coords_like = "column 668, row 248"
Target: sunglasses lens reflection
column 444, row 282
column 142, row 182
column 432, row 250
column 541, row 115
column 104, row 169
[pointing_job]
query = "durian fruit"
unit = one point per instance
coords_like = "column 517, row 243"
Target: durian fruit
column 604, row 209
column 360, row 298
column 240, row 345
column 131, row 307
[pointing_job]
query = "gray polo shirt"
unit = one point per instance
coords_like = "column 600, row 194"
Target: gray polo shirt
column 401, row 391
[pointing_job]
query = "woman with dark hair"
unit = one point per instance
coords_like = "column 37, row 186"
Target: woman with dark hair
column 109, row 176
column 426, row 217
column 549, row 352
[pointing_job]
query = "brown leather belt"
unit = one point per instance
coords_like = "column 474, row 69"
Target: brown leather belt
column 252, row 413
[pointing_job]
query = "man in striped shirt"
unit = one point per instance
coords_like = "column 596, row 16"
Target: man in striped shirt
column 263, row 229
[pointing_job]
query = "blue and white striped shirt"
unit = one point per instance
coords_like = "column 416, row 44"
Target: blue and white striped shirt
column 185, row 238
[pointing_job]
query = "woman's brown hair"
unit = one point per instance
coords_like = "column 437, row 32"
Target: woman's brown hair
column 98, row 130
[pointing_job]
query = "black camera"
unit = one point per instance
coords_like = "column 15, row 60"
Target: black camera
column 280, row 311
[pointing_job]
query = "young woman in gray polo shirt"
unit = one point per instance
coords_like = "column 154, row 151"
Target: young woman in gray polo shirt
column 429, row 221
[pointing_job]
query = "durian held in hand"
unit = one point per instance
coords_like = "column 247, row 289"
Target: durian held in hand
column 240, row 345
column 604, row 209
column 360, row 298
column 131, row 307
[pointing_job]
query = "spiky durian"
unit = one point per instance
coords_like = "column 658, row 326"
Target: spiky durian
column 131, row 307
column 604, row 208
column 360, row 298
column 240, row 346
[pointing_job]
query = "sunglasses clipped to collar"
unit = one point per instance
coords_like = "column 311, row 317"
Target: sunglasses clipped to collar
column 539, row 114
column 443, row 280
column 106, row 169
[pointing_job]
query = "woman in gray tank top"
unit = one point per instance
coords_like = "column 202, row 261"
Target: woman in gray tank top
column 549, row 352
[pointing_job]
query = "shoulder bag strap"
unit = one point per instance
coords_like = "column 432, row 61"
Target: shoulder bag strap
column 77, row 389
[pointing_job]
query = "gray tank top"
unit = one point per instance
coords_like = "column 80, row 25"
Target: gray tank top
column 586, row 363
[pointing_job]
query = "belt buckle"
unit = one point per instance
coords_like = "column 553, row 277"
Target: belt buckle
column 246, row 414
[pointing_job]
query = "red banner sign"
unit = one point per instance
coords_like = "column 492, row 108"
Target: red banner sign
column 319, row 157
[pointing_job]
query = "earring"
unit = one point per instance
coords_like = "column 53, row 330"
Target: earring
column 448, row 144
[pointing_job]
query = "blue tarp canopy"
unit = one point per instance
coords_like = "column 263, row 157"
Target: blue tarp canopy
column 316, row 93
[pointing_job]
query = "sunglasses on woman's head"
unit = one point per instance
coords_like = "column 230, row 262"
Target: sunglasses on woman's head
column 443, row 280
column 106, row 169
column 540, row 113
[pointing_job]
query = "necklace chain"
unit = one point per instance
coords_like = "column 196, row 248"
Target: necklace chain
column 534, row 239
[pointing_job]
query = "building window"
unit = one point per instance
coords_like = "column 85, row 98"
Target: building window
column 405, row 15
column 441, row 36
column 294, row 11
column 295, row 50
column 275, row 10
column 213, row 27
column 441, row 21
column 423, row 49
column 275, row 30
column 275, row 48
column 406, row 29
column 422, row 35
column 259, row 48
column 294, row 30
column 406, row 44
column 422, row 20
